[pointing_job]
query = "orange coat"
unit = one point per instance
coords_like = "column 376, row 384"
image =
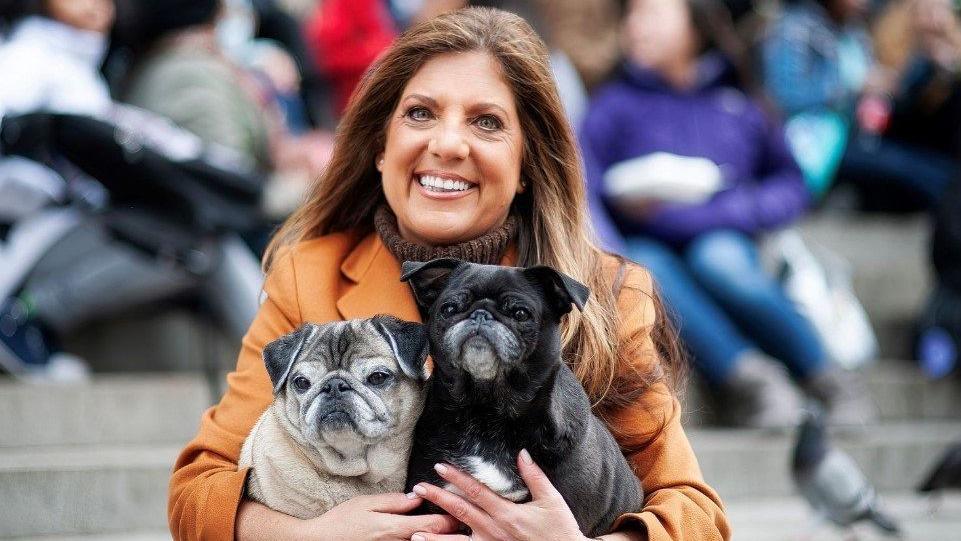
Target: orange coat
column 335, row 277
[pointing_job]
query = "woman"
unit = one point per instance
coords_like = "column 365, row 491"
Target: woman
column 466, row 94
column 673, row 114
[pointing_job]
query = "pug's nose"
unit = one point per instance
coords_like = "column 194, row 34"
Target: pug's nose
column 335, row 385
column 481, row 316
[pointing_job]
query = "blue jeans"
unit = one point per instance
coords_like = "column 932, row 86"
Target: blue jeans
column 725, row 304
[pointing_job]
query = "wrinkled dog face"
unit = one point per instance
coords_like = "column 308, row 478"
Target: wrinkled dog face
column 488, row 320
column 349, row 383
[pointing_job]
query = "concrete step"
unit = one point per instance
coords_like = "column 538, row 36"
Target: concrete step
column 140, row 535
column 755, row 464
column 88, row 490
column 137, row 409
column 84, row 490
column 898, row 388
column 789, row 519
column 164, row 340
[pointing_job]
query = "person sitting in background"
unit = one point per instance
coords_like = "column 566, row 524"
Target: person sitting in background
column 49, row 62
column 345, row 37
column 685, row 173
column 907, row 140
column 51, row 59
column 181, row 71
column 816, row 60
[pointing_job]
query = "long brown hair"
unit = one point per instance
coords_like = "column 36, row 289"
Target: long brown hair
column 554, row 227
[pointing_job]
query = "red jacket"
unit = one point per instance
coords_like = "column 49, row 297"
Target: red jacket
column 346, row 36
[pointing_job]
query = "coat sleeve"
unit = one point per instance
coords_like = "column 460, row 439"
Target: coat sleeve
column 206, row 486
column 678, row 503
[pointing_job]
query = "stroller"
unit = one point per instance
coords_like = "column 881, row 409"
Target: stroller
column 124, row 211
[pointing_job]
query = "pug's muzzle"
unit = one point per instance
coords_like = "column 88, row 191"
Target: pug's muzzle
column 343, row 404
column 481, row 344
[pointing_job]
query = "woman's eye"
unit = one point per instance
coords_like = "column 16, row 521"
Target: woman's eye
column 419, row 114
column 301, row 383
column 378, row 378
column 522, row 314
column 488, row 123
column 448, row 309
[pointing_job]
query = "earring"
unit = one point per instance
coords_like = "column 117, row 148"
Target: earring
column 523, row 184
column 380, row 162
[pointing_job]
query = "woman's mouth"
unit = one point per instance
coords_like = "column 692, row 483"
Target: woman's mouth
column 443, row 188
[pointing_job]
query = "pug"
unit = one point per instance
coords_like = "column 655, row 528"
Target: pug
column 499, row 385
column 346, row 398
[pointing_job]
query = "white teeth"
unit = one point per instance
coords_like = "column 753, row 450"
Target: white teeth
column 443, row 184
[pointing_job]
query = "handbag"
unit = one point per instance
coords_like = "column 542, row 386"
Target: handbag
column 820, row 287
column 817, row 140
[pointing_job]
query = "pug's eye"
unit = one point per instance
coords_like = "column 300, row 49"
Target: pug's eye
column 378, row 378
column 301, row 384
column 448, row 309
column 521, row 314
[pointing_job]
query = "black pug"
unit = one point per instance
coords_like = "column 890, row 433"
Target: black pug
column 499, row 385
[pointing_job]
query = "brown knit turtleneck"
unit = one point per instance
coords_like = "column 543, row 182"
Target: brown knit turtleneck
column 487, row 249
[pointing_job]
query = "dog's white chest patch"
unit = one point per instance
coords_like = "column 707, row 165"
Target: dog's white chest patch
column 493, row 477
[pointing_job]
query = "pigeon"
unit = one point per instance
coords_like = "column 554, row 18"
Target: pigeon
column 946, row 474
column 831, row 481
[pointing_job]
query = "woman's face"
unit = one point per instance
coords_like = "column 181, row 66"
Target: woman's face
column 658, row 34
column 91, row 15
column 452, row 160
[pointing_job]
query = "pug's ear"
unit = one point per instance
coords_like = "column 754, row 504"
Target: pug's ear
column 428, row 279
column 408, row 341
column 279, row 355
column 560, row 290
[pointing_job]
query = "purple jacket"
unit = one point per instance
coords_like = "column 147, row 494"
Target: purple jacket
column 637, row 113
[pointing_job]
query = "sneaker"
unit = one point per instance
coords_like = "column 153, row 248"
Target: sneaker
column 27, row 349
column 759, row 393
column 937, row 353
column 844, row 395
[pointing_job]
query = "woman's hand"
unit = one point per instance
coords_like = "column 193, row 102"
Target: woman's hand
column 378, row 517
column 491, row 517
column 368, row 518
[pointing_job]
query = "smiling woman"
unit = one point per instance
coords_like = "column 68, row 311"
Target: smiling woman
column 451, row 163
column 456, row 145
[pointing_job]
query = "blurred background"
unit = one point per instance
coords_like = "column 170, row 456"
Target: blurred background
column 788, row 171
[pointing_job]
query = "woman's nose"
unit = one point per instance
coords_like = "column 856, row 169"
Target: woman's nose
column 448, row 143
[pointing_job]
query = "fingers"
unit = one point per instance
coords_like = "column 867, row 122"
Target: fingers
column 537, row 482
column 394, row 503
column 432, row 524
column 424, row 536
column 476, row 492
column 458, row 507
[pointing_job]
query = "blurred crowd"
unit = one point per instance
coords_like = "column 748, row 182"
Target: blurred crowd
column 708, row 129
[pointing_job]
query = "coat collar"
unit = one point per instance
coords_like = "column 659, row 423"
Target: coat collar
column 374, row 285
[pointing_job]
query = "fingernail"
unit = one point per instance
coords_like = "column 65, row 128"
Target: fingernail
column 441, row 469
column 420, row 490
column 526, row 457
column 417, row 537
column 411, row 496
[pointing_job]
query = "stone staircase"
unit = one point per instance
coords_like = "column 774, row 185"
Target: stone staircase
column 93, row 461
column 95, row 458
